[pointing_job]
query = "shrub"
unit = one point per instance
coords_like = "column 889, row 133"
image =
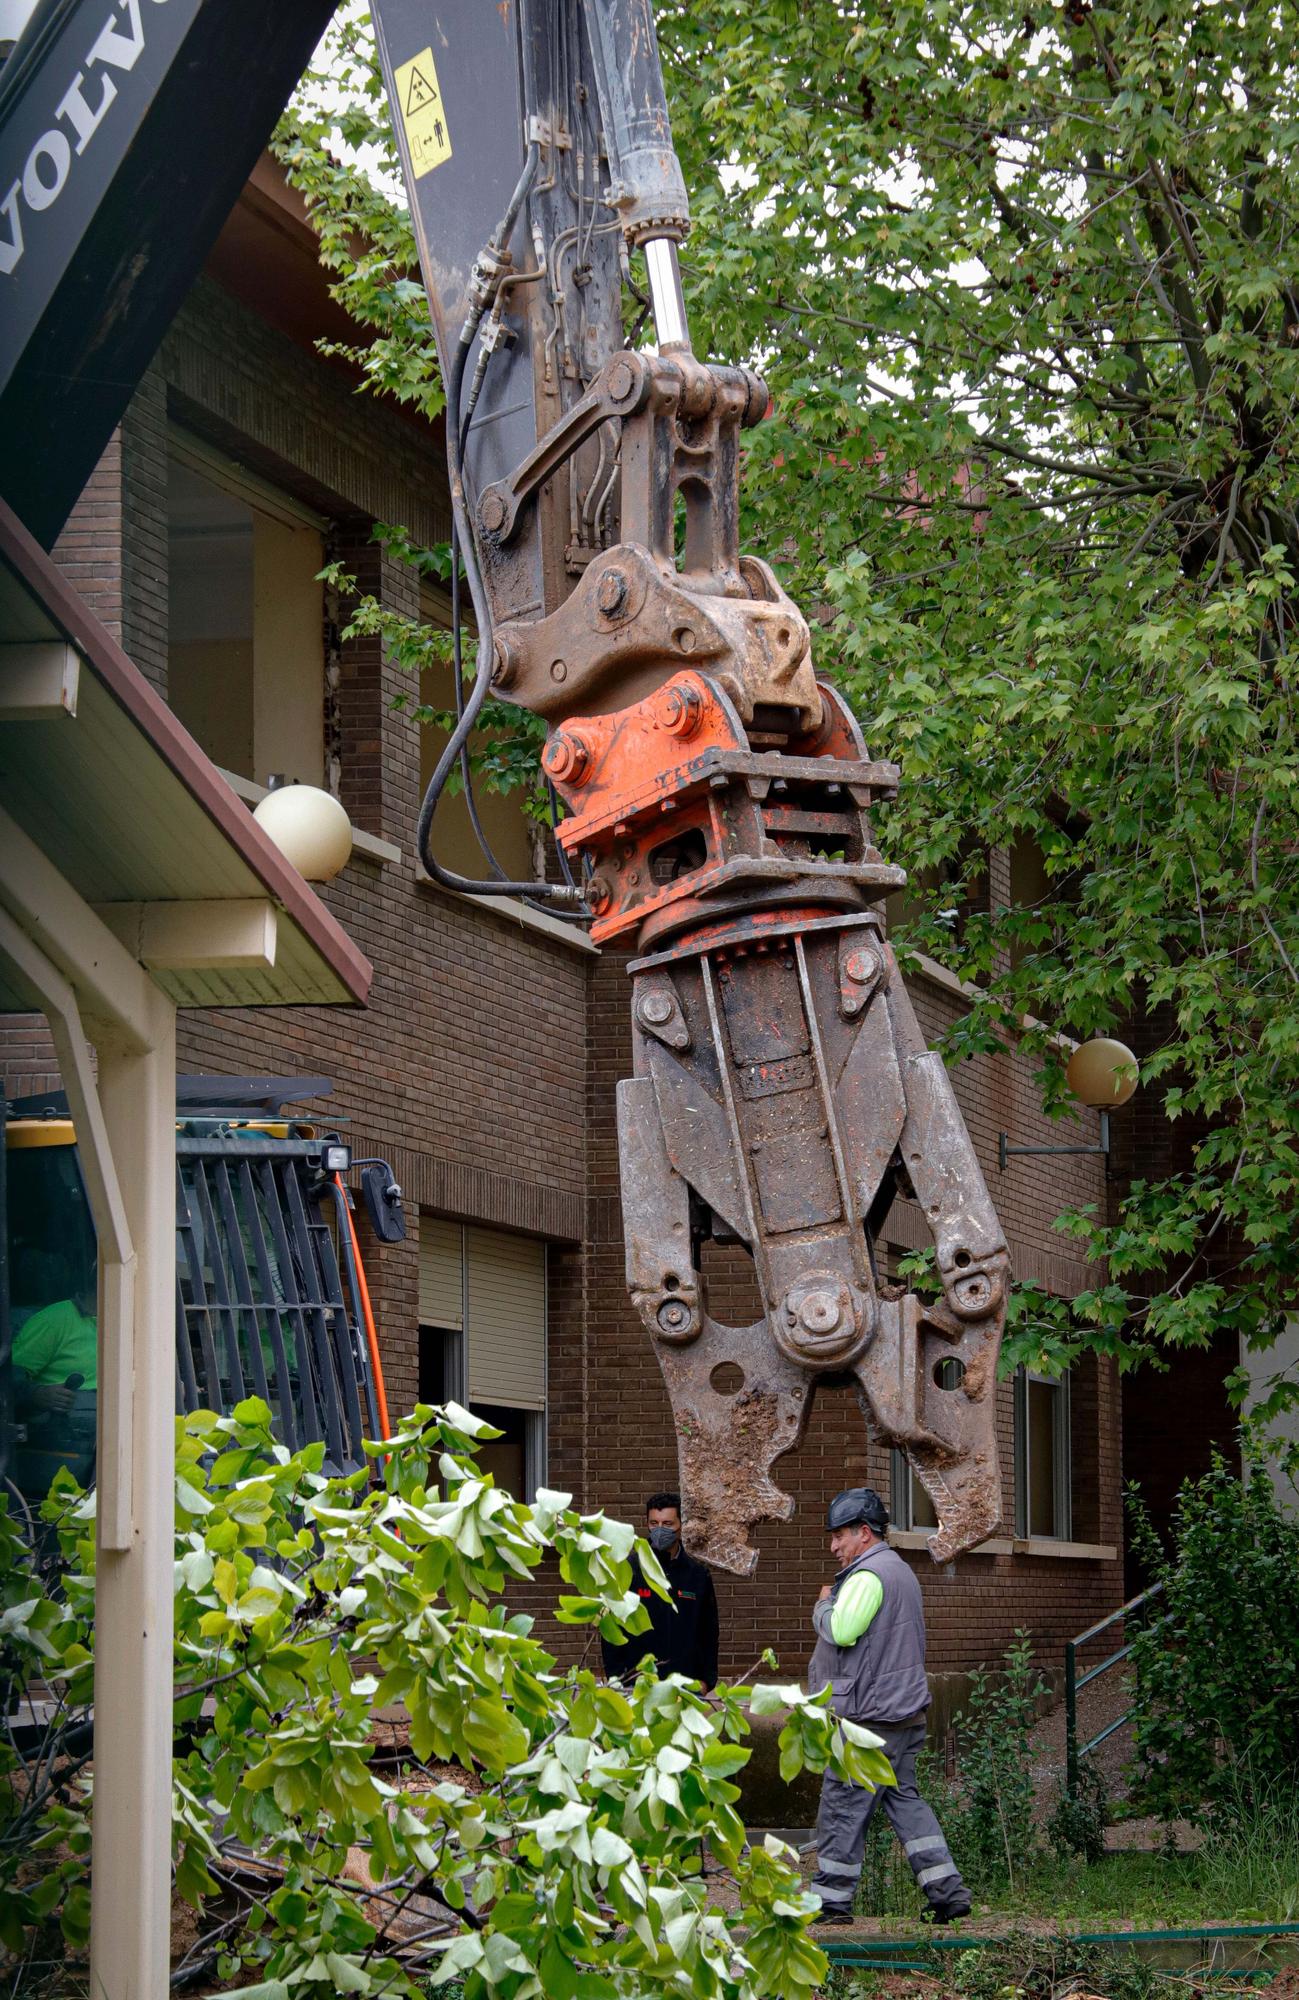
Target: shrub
column 1078, row 1821
column 991, row 1831
column 1028, row 1966
column 1216, row 1687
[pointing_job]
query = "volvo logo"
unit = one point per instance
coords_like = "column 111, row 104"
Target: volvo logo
column 86, row 100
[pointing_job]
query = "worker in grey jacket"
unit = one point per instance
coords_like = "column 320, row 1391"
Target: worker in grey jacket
column 870, row 1649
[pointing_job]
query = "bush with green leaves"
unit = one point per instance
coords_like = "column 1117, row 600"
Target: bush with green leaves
column 1249, row 1863
column 1079, row 1817
column 546, row 1835
column 1216, row 1682
column 990, row 1825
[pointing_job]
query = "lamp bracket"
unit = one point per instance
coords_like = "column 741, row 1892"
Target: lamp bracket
column 1005, row 1151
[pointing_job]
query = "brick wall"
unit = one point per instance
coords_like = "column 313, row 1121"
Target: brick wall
column 114, row 545
column 144, row 539
column 89, row 550
column 28, row 1064
column 467, row 1068
column 485, row 1064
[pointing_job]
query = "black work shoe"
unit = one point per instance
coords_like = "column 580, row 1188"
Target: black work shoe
column 836, row 1917
column 951, row 1912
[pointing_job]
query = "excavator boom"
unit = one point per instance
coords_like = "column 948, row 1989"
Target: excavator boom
column 718, row 790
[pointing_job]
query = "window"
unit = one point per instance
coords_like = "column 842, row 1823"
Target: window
column 926, row 900
column 482, row 1321
column 909, row 1504
column 1039, row 886
column 1029, row 882
column 1030, row 888
column 246, row 651
column 1042, row 1459
column 515, row 839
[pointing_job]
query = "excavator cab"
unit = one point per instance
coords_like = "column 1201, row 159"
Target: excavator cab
column 52, row 1285
column 271, row 1293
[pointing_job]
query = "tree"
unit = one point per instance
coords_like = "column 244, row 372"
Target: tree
column 1021, row 282
column 543, row 1833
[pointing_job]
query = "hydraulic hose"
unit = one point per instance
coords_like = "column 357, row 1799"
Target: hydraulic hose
column 367, row 1314
column 456, row 746
column 457, row 670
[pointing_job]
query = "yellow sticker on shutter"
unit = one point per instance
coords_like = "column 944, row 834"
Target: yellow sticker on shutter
column 423, row 116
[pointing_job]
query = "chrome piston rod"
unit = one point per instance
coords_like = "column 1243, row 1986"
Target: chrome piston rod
column 670, row 326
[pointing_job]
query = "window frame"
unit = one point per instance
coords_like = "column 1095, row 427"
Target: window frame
column 287, row 696
column 536, row 1423
column 902, row 1495
column 1062, row 1469
column 240, row 482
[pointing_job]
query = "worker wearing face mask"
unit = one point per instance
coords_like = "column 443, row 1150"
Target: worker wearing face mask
column 682, row 1635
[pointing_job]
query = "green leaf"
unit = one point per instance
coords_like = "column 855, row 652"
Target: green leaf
column 348, row 1975
column 494, row 1736
column 190, row 1499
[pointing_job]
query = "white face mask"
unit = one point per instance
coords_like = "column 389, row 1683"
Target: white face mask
column 662, row 1539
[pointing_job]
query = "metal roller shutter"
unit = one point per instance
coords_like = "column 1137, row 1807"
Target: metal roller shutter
column 505, row 1292
column 441, row 1273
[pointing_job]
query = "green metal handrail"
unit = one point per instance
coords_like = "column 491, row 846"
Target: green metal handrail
column 1074, row 1681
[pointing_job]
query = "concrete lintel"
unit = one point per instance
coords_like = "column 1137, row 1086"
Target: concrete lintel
column 235, row 935
column 38, row 680
column 1006, row 1545
column 365, row 843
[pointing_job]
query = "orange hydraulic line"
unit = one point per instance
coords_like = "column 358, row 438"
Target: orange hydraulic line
column 371, row 1337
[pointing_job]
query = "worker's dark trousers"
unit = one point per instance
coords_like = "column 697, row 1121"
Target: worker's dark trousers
column 847, row 1810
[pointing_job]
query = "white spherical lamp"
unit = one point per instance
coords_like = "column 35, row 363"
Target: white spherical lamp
column 1102, row 1073
column 310, row 828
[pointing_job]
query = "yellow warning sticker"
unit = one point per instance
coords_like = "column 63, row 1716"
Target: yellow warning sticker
column 423, row 115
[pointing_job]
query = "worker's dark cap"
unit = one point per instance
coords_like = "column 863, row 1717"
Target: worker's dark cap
column 858, row 1503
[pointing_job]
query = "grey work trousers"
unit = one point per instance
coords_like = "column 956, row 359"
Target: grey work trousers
column 847, row 1811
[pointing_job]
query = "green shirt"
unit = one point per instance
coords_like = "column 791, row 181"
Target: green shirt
column 855, row 1605
column 56, row 1342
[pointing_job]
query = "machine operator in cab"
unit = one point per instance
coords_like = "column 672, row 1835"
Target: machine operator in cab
column 56, row 1375
column 682, row 1635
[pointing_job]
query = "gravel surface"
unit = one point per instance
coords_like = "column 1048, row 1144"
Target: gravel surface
column 1103, row 1702
column 1098, row 1705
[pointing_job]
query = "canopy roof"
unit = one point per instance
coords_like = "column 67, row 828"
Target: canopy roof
column 97, row 772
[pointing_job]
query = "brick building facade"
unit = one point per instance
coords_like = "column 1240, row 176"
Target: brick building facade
column 484, row 1067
